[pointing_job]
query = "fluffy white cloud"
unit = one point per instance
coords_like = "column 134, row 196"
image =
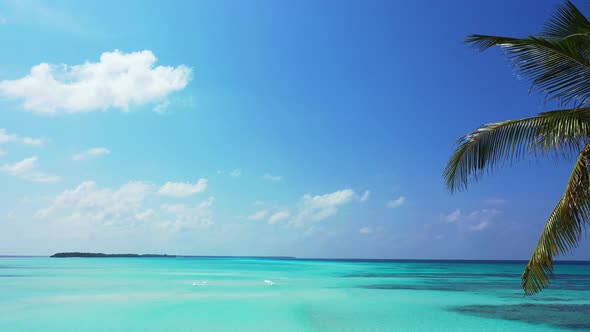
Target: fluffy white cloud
column 477, row 220
column 258, row 215
column 126, row 206
column 396, row 202
column 187, row 217
column 278, row 216
column 27, row 169
column 182, row 189
column 87, row 201
column 118, row 80
column 92, row 152
column 365, row 196
column 13, row 138
column 271, row 177
column 319, row 207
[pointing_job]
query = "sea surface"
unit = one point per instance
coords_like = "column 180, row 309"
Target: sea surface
column 246, row 294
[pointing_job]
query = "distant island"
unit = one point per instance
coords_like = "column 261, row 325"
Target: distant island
column 101, row 255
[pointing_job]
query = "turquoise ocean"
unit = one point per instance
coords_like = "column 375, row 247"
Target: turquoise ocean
column 247, row 294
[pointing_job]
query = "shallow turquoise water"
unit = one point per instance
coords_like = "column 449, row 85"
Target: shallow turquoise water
column 205, row 294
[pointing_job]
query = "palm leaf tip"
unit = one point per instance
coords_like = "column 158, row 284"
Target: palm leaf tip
column 536, row 276
column 566, row 21
column 557, row 61
column 483, row 42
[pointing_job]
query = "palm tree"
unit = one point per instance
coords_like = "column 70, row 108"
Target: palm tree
column 557, row 61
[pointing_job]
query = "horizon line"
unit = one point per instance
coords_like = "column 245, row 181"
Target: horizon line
column 465, row 260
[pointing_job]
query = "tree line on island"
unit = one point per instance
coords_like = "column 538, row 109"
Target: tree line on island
column 101, row 255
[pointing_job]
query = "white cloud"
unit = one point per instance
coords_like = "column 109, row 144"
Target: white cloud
column 396, row 202
column 118, row 80
column 89, row 205
column 88, row 202
column 182, row 189
column 271, row 177
column 99, row 151
column 477, row 220
column 451, row 217
column 366, row 230
column 27, row 169
column 278, row 216
column 329, row 200
column 187, row 217
column 319, row 207
column 365, row 196
column 479, row 226
column 13, row 138
column 258, row 215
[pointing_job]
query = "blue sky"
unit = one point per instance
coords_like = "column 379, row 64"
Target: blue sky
column 299, row 128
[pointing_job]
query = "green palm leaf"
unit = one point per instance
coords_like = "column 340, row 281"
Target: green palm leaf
column 566, row 21
column 563, row 228
column 493, row 144
column 557, row 61
column 558, row 68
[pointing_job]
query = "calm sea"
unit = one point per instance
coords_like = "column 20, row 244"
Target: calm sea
column 238, row 294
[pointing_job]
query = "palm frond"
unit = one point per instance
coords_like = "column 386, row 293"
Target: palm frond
column 483, row 42
column 557, row 61
column 563, row 228
column 566, row 21
column 493, row 144
column 560, row 69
